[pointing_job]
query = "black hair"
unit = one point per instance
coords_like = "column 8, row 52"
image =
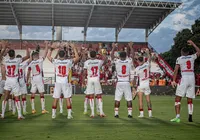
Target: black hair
column 37, row 49
column 141, row 59
column 93, row 54
column 18, row 56
column 122, row 54
column 185, row 50
column 61, row 53
column 35, row 53
column 11, row 53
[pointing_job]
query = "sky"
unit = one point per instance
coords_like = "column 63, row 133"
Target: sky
column 161, row 39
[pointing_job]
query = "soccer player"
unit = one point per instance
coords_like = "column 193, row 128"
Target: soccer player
column 62, row 67
column 12, row 84
column 123, row 68
column 92, row 68
column 187, row 84
column 37, row 83
column 142, row 72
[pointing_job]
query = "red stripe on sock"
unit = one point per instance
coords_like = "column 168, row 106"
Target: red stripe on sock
column 141, row 109
column 189, row 102
column 177, row 100
column 69, row 107
column 54, row 107
column 23, row 99
column 41, row 96
column 149, row 109
column 32, row 97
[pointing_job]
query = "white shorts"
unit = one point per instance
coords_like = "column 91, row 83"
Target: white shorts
column 123, row 88
column 2, row 84
column 23, row 89
column 144, row 88
column 186, row 87
column 61, row 88
column 37, row 86
column 93, row 86
column 13, row 87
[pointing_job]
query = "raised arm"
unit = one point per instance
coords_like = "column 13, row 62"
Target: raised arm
column 46, row 49
column 132, row 50
column 195, row 46
column 112, row 51
column 27, row 52
column 76, row 59
column 4, row 47
column 148, row 55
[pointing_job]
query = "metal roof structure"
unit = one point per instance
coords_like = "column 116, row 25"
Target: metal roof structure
column 116, row 14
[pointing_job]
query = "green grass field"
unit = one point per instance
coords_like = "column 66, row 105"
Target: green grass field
column 40, row 127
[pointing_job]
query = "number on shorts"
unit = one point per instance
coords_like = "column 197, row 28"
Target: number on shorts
column 123, row 69
column 62, row 70
column 188, row 63
column 145, row 73
column 94, row 70
column 37, row 68
column 11, row 70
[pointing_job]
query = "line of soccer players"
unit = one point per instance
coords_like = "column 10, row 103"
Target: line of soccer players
column 16, row 81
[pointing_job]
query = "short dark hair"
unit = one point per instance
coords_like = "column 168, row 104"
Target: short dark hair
column 11, row 53
column 61, row 53
column 93, row 54
column 185, row 50
column 18, row 56
column 35, row 53
column 122, row 54
column 141, row 59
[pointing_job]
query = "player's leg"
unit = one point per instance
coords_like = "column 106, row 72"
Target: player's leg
column 118, row 97
column 128, row 98
column 67, row 94
column 98, row 92
column 148, row 100
column 56, row 96
column 4, row 103
column 190, row 109
column 10, row 102
column 140, row 99
column 86, row 101
column 177, row 109
column 40, row 87
column 61, row 103
column 24, row 104
column 33, row 91
column 91, row 100
column 97, row 105
column 13, row 104
column 18, row 106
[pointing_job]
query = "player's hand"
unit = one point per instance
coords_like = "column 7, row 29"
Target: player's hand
column 190, row 42
column 130, row 44
column 174, row 84
column 113, row 45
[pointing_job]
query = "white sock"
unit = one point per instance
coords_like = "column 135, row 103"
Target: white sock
column 190, row 108
column 24, row 104
column 53, row 111
column 61, row 103
column 85, row 104
column 18, row 105
column 70, row 100
column 141, row 112
column 13, row 107
column 130, row 111
column 4, row 103
column 178, row 116
column 100, row 103
column 69, row 110
column 42, row 102
column 97, row 106
column 10, row 104
column 116, row 111
column 33, row 103
column 150, row 112
column 92, row 106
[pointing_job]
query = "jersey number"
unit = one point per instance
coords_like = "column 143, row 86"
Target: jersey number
column 11, row 70
column 94, row 70
column 188, row 63
column 37, row 68
column 145, row 73
column 62, row 70
column 123, row 69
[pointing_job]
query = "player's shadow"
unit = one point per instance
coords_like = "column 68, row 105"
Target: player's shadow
column 193, row 124
column 157, row 120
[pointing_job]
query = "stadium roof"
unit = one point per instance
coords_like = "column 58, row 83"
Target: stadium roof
column 86, row 13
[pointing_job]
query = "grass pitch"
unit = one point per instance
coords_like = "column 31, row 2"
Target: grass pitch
column 41, row 127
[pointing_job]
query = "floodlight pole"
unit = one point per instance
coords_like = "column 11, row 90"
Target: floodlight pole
column 84, row 34
column 116, row 35
column 53, row 28
column 146, row 35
